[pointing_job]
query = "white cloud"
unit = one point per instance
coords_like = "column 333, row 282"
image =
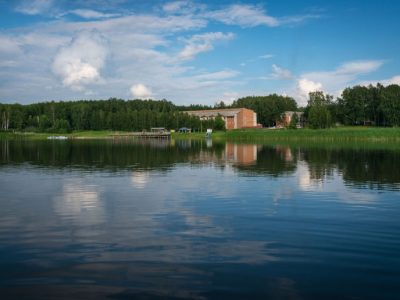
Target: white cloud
column 333, row 82
column 34, row 7
column 247, row 15
column 182, row 7
column 359, row 67
column 8, row 63
column 174, row 6
column 147, row 24
column 266, row 56
column 202, row 43
column 229, row 97
column 293, row 20
column 304, row 87
column 79, row 63
column 116, row 51
column 91, row 14
column 244, row 15
column 140, row 91
column 225, row 74
column 280, row 73
column 9, row 45
column 385, row 82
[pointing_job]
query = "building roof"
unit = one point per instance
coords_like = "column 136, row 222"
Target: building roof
column 226, row 112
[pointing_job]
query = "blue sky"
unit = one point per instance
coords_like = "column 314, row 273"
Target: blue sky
column 194, row 51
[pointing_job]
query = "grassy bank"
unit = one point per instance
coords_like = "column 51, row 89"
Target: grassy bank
column 340, row 134
column 73, row 135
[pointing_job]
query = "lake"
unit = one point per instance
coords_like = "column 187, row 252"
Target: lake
column 119, row 219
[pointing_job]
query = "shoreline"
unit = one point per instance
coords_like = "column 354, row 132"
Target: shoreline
column 339, row 134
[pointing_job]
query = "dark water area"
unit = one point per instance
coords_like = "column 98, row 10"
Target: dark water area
column 197, row 220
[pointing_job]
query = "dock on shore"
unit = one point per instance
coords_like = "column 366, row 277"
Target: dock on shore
column 155, row 133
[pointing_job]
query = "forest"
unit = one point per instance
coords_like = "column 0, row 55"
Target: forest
column 112, row 114
column 359, row 105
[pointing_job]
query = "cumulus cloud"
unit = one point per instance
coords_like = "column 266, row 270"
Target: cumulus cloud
column 229, row 97
column 140, row 91
column 34, row 7
column 304, row 87
column 202, row 43
column 280, row 73
column 333, row 82
column 79, row 63
column 114, row 51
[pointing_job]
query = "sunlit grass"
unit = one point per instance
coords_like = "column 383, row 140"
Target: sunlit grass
column 333, row 135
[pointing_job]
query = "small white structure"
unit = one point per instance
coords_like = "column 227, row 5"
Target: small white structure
column 59, row 137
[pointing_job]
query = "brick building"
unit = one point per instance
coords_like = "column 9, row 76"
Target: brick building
column 234, row 118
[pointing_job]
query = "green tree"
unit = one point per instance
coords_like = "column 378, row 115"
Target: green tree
column 219, row 123
column 318, row 114
column 268, row 108
column 390, row 105
column 61, row 126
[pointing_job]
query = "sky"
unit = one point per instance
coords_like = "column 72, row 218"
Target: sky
column 194, row 52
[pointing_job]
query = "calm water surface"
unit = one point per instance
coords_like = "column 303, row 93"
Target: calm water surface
column 197, row 220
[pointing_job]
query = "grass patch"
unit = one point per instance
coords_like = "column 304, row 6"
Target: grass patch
column 324, row 136
column 76, row 134
column 371, row 134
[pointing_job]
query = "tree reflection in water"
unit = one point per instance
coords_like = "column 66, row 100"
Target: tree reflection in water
column 362, row 167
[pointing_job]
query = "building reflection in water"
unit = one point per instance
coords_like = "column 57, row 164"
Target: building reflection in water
column 241, row 154
column 286, row 153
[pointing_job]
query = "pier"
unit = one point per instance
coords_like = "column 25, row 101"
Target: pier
column 155, row 133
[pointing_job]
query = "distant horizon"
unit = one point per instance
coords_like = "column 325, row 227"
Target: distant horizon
column 198, row 51
column 211, row 105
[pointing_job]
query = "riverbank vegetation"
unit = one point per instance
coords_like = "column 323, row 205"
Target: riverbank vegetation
column 338, row 134
column 343, row 134
column 377, row 106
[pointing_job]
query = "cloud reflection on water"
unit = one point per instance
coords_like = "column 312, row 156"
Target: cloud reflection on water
column 79, row 202
column 175, row 219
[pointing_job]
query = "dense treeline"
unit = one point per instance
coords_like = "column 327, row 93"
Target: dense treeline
column 359, row 105
column 268, row 108
column 112, row 114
